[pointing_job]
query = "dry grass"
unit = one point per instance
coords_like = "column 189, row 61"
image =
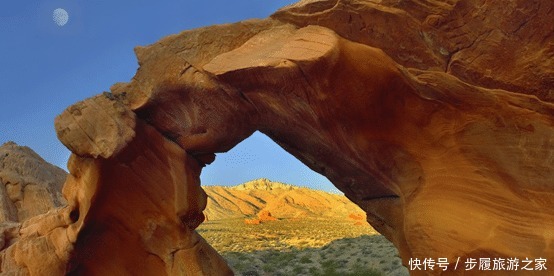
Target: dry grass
column 303, row 247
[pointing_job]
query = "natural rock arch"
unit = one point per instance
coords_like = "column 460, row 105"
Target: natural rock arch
column 446, row 164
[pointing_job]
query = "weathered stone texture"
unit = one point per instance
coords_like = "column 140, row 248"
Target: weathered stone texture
column 435, row 117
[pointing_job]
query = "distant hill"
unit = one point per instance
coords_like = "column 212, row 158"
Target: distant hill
column 29, row 185
column 281, row 200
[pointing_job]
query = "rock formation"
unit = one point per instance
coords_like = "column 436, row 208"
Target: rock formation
column 29, row 186
column 283, row 201
column 435, row 117
column 263, row 184
column 265, row 215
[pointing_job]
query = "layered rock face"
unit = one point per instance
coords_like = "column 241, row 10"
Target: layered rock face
column 435, row 117
column 283, row 201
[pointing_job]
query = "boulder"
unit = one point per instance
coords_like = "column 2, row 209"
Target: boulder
column 265, row 215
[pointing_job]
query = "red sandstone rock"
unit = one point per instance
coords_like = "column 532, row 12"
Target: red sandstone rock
column 265, row 215
column 435, row 117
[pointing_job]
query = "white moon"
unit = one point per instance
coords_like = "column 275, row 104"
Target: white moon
column 60, row 16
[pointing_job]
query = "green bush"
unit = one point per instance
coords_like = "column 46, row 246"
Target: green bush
column 298, row 270
column 285, row 258
column 306, row 259
column 329, row 267
column 268, row 268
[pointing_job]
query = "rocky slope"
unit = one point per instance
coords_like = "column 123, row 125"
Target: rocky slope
column 282, row 201
column 29, row 186
column 435, row 117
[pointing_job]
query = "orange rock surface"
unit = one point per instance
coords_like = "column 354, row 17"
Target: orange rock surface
column 265, row 215
column 282, row 201
column 435, row 117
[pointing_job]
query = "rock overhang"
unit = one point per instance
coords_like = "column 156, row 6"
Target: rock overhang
column 416, row 147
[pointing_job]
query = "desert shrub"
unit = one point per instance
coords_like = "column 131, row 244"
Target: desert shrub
column 305, row 259
column 243, row 257
column 313, row 270
column 285, row 258
column 298, row 270
column 329, row 267
column 268, row 267
column 268, row 256
column 359, row 270
column 240, row 266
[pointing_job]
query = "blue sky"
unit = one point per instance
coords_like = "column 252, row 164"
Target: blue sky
column 44, row 68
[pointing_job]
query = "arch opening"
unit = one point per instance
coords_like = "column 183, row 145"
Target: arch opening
column 268, row 213
column 259, row 157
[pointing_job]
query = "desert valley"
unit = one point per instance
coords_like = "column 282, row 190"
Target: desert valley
column 271, row 228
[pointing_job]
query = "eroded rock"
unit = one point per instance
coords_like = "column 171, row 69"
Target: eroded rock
column 265, row 215
column 30, row 192
column 29, row 186
column 133, row 226
column 435, row 117
column 282, row 201
column 118, row 222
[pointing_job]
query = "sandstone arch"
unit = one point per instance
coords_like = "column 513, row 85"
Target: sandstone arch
column 448, row 158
